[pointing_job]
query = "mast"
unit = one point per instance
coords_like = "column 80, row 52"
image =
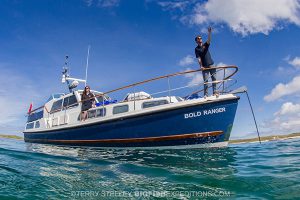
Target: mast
column 87, row 64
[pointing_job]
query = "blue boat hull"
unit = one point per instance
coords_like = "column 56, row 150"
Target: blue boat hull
column 193, row 125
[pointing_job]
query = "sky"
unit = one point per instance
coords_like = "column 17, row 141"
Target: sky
column 134, row 40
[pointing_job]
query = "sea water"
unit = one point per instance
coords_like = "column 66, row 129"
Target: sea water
column 270, row 170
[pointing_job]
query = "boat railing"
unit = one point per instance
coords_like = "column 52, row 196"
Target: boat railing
column 226, row 76
column 223, row 68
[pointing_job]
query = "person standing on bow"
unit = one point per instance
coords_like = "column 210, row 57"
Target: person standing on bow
column 205, row 61
column 88, row 101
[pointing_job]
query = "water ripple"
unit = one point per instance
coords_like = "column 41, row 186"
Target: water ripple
column 246, row 171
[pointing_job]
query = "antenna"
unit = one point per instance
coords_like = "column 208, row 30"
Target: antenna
column 66, row 60
column 87, row 64
column 71, row 82
column 65, row 71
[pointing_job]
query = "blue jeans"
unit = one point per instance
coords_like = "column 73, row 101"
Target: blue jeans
column 206, row 74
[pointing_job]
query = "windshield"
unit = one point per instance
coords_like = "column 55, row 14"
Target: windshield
column 55, row 96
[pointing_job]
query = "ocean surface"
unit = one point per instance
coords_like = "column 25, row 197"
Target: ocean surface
column 243, row 171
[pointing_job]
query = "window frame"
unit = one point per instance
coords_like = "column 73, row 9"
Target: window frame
column 153, row 101
column 68, row 105
column 29, row 125
column 116, row 107
column 58, row 109
column 37, row 124
column 98, row 114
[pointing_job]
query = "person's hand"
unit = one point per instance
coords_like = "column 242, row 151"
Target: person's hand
column 202, row 68
column 209, row 29
column 94, row 106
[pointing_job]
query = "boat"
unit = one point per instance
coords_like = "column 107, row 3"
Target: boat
column 139, row 120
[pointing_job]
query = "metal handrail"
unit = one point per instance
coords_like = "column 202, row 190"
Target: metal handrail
column 175, row 74
column 187, row 86
column 217, row 81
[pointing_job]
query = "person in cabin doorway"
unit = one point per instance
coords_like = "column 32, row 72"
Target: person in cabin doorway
column 88, row 101
column 205, row 61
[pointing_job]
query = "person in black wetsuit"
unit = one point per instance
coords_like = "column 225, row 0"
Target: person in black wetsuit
column 205, row 61
column 88, row 101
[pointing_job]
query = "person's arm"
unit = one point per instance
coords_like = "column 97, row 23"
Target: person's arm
column 198, row 58
column 200, row 63
column 93, row 101
column 209, row 35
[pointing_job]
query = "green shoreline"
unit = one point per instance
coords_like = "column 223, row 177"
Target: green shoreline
column 12, row 137
column 265, row 138
column 237, row 141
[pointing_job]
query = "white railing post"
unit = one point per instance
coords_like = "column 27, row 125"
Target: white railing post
column 134, row 97
column 66, row 110
column 223, row 81
column 169, row 88
column 102, row 104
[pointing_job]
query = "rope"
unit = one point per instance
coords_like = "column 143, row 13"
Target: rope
column 253, row 117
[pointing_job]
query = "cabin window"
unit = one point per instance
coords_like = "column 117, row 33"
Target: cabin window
column 91, row 113
column 179, row 99
column 37, row 124
column 120, row 109
column 97, row 113
column 70, row 102
column 101, row 112
column 30, row 125
column 154, row 103
column 56, row 106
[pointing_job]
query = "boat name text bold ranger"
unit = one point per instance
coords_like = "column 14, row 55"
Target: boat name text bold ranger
column 204, row 112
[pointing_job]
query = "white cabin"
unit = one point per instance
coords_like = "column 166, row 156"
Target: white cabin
column 63, row 110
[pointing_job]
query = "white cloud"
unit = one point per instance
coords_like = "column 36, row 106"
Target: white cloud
column 295, row 62
column 15, row 96
column 187, row 60
column 220, row 72
column 288, row 108
column 282, row 126
column 103, row 3
column 220, row 64
column 197, row 78
column 248, row 16
column 290, row 125
column 282, row 90
column 244, row 16
column 285, row 70
column 88, row 2
column 286, row 120
column 108, row 3
column 169, row 5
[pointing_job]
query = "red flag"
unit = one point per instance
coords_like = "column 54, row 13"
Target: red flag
column 30, row 108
